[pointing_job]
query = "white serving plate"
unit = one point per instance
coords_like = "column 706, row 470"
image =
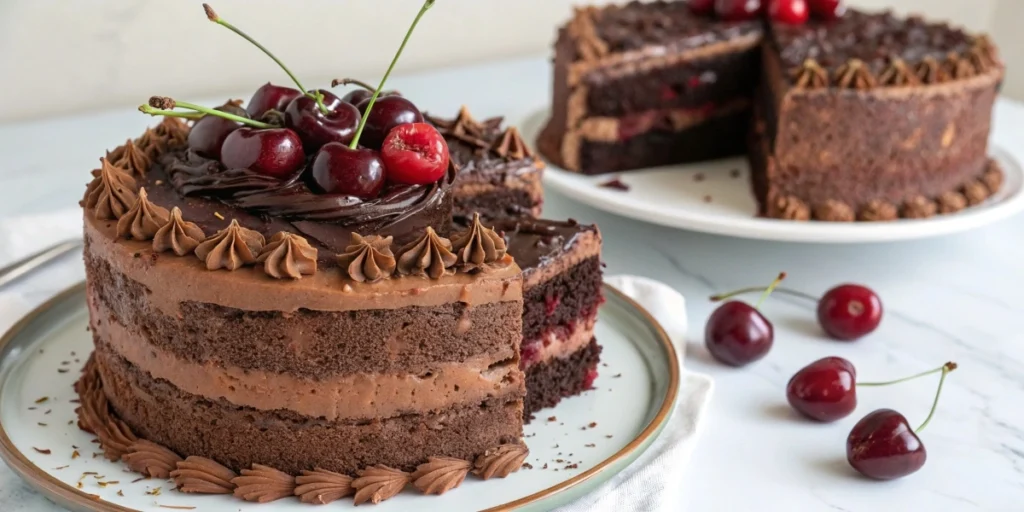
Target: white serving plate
column 630, row 404
column 712, row 197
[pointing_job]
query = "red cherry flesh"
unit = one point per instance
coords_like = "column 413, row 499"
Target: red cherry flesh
column 208, row 134
column 316, row 128
column 828, row 10
column 387, row 113
column 825, row 390
column 738, row 10
column 790, row 12
column 702, row 6
column 415, row 154
column 273, row 152
column 849, row 311
column 883, row 446
column 338, row 169
column 737, row 334
column 270, row 97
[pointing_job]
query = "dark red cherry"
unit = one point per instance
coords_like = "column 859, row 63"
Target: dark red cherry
column 737, row 334
column 387, row 113
column 208, row 134
column 270, row 97
column 825, row 390
column 274, row 152
column 415, row 154
column 827, row 10
column 357, row 96
column 849, row 311
column 790, row 12
column 702, row 6
column 738, row 10
column 337, row 169
column 316, row 128
column 883, row 446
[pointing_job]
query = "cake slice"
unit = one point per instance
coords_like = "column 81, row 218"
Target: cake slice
column 498, row 174
column 648, row 84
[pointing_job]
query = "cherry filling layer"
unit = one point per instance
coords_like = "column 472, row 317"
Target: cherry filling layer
column 559, row 341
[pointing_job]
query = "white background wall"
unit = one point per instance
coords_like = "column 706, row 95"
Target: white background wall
column 72, row 55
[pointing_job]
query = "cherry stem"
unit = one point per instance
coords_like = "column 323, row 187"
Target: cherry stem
column 769, row 289
column 351, row 81
column 154, row 111
column 946, row 368
column 904, row 379
column 752, row 289
column 376, row 92
column 212, row 16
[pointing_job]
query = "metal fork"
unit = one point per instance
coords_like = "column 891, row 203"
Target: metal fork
column 26, row 265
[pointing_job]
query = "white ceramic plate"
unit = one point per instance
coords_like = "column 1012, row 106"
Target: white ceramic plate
column 715, row 197
column 631, row 403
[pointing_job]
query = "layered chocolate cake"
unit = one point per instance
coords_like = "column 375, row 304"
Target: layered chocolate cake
column 859, row 116
column 498, row 173
column 282, row 309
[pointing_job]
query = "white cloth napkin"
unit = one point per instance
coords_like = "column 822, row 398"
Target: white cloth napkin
column 654, row 481
column 651, row 483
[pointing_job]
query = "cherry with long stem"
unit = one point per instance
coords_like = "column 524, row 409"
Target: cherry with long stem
column 737, row 333
column 163, row 106
column 214, row 17
column 944, row 369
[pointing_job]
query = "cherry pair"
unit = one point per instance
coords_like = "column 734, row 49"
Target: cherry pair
column 881, row 445
column 785, row 11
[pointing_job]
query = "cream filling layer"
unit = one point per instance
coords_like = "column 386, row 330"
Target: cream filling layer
column 359, row 396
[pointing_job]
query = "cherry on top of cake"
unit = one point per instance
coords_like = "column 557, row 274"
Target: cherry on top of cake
column 483, row 146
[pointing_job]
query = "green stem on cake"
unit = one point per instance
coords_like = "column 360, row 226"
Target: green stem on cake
column 163, row 106
column 376, row 92
column 212, row 16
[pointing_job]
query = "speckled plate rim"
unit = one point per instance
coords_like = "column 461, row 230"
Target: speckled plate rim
column 562, row 493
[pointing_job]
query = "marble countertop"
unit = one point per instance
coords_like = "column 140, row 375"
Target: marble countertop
column 952, row 298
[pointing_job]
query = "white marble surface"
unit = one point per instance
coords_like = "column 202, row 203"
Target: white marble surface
column 951, row 298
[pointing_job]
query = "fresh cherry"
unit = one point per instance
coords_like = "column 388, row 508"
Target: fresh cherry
column 849, row 311
column 208, row 134
column 884, row 447
column 824, row 390
column 737, row 333
column 415, row 154
column 702, row 6
column 315, row 127
column 270, row 97
column 339, row 169
column 828, row 10
column 387, row 113
column 738, row 10
column 273, row 152
column 790, row 12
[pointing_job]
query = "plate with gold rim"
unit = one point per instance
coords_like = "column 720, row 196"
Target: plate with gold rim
column 574, row 447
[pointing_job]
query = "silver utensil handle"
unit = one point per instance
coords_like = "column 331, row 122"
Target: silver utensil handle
column 19, row 268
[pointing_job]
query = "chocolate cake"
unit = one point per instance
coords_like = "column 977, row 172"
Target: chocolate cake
column 498, row 173
column 867, row 116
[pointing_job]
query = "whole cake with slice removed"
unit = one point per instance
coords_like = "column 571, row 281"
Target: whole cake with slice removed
column 856, row 115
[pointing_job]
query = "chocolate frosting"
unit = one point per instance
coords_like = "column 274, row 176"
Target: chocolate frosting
column 534, row 243
column 173, row 131
column 177, row 235
column 133, row 158
column 479, row 246
column 440, row 474
column 263, row 484
column 368, row 259
column 94, row 415
column 288, row 255
column 854, row 74
column 321, row 487
column 111, row 193
column 482, row 149
column 150, row 459
column 378, row 483
column 810, row 75
column 230, row 248
column 200, row 475
column 429, row 256
column 143, row 220
column 672, row 24
column 501, row 461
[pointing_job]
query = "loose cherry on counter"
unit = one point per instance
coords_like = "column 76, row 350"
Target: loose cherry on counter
column 702, row 6
column 270, row 97
column 737, row 333
column 208, row 133
column 826, row 390
column 884, row 447
column 790, row 12
column 415, row 154
column 738, row 10
column 828, row 10
column 846, row 312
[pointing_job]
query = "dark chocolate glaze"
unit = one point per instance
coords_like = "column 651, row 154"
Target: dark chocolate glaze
column 211, row 196
column 637, row 25
column 871, row 37
column 476, row 162
column 535, row 243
